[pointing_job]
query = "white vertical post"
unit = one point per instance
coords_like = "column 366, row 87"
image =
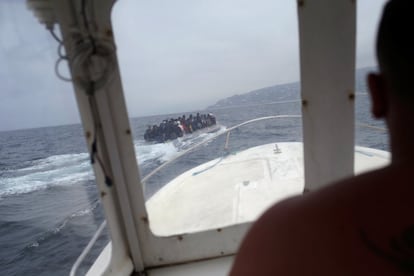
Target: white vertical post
column 109, row 120
column 327, row 54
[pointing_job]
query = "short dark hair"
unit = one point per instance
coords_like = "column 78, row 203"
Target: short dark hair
column 395, row 48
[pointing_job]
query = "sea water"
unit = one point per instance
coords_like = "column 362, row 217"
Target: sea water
column 49, row 207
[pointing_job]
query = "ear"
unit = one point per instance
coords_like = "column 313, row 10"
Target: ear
column 377, row 88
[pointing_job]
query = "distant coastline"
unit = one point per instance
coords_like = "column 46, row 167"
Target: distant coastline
column 281, row 93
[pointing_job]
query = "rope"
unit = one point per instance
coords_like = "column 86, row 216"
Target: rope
column 210, row 167
column 88, row 52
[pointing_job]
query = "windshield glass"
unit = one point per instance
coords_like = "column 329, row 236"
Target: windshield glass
column 237, row 61
column 185, row 64
column 368, row 131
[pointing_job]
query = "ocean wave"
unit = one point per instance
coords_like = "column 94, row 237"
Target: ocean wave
column 56, row 161
column 71, row 169
column 42, row 180
column 60, row 226
column 56, row 170
column 163, row 152
column 149, row 152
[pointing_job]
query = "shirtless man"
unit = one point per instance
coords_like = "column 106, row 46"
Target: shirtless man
column 363, row 225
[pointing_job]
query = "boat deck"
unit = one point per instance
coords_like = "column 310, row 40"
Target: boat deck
column 243, row 184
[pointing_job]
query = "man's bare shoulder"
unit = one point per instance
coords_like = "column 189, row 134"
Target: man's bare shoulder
column 348, row 225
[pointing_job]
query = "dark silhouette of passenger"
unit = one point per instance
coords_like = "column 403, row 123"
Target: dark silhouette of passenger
column 363, row 225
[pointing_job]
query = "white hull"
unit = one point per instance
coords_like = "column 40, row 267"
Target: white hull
column 237, row 188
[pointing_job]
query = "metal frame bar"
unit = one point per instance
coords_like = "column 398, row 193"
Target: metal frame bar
column 327, row 65
column 328, row 81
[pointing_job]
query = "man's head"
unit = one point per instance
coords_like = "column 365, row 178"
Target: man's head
column 395, row 53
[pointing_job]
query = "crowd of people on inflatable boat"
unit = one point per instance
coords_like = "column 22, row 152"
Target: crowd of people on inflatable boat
column 170, row 129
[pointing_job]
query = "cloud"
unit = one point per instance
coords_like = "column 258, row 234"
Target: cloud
column 185, row 55
column 31, row 94
column 175, row 56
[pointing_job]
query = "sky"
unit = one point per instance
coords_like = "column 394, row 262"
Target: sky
column 174, row 56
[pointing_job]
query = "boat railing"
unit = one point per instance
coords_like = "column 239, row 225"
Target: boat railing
column 226, row 131
column 371, row 127
column 86, row 250
column 226, row 148
column 226, row 145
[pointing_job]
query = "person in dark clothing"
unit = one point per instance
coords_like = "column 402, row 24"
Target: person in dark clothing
column 363, row 225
